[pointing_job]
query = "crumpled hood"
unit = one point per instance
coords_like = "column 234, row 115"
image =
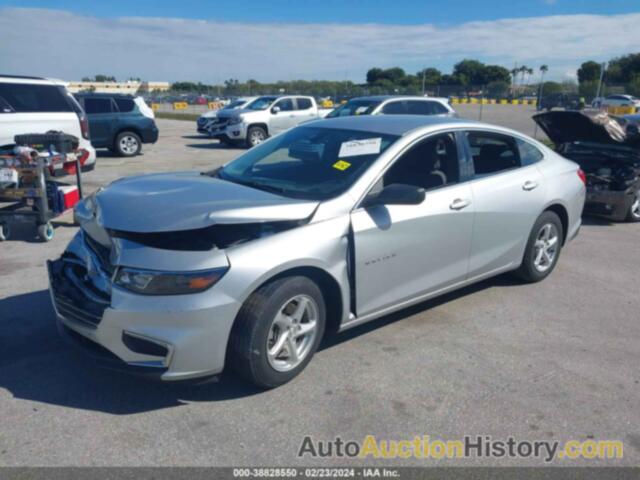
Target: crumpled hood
column 187, row 201
column 585, row 126
column 235, row 112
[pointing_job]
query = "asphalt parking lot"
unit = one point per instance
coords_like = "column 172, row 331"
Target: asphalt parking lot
column 556, row 360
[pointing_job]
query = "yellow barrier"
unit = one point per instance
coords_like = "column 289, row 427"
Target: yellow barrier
column 180, row 105
column 620, row 110
column 493, row 101
column 514, row 102
column 464, row 100
column 504, row 101
column 155, row 107
column 326, row 104
column 214, row 105
column 455, row 100
column 473, row 100
column 484, row 101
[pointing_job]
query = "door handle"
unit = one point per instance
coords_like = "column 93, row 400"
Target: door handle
column 460, row 203
column 529, row 185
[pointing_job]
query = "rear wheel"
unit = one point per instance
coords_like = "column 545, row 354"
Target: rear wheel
column 277, row 331
column 46, row 232
column 127, row 144
column 634, row 210
column 5, row 232
column 543, row 248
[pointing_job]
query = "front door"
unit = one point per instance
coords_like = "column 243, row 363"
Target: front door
column 99, row 111
column 404, row 251
column 284, row 119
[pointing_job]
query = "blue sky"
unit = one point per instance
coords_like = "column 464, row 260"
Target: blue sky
column 342, row 11
column 284, row 40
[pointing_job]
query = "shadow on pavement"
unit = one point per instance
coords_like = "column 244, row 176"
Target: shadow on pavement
column 214, row 145
column 37, row 365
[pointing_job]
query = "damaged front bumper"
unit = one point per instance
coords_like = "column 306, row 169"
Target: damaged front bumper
column 609, row 203
column 172, row 338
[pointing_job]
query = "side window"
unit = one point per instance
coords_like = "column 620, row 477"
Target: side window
column 528, row 153
column 286, row 105
column 124, row 104
column 303, row 103
column 5, row 107
column 24, row 97
column 97, row 105
column 430, row 164
column 493, row 152
column 394, row 108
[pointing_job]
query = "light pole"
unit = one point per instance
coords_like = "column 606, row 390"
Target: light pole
column 424, row 73
column 603, row 66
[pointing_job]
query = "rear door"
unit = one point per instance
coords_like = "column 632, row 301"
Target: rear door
column 508, row 194
column 404, row 251
column 100, row 111
column 304, row 110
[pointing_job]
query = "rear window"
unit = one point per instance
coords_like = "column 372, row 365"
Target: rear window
column 125, row 104
column 25, row 98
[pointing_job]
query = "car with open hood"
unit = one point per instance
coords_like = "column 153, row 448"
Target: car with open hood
column 324, row 227
column 608, row 150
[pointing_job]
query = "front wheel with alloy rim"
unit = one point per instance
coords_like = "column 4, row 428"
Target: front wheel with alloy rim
column 127, row 144
column 255, row 136
column 277, row 331
column 634, row 209
column 543, row 248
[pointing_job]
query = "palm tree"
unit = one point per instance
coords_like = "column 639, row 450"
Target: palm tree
column 543, row 69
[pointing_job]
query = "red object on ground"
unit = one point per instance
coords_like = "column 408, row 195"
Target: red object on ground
column 70, row 196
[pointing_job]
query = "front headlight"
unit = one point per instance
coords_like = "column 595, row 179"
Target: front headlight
column 152, row 282
column 235, row 120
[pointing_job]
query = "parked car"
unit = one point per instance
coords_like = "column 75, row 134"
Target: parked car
column 620, row 101
column 39, row 105
column 394, row 105
column 265, row 116
column 208, row 119
column 326, row 226
column 607, row 149
column 119, row 122
column 567, row 101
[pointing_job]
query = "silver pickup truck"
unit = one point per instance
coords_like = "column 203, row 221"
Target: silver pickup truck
column 262, row 118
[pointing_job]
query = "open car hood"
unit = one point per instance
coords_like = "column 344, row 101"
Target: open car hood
column 585, row 126
column 170, row 202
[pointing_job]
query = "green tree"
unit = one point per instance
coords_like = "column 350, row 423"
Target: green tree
column 589, row 72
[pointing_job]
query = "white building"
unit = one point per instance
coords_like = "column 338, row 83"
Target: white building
column 130, row 87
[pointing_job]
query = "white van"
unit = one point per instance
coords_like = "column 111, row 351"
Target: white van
column 37, row 105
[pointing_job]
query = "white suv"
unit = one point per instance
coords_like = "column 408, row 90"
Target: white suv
column 37, row 105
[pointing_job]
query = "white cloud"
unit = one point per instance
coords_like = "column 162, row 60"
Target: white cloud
column 64, row 45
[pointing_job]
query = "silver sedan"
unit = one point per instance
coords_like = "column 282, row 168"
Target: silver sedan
column 321, row 228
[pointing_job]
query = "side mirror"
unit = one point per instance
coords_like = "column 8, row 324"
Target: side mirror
column 275, row 109
column 396, row 194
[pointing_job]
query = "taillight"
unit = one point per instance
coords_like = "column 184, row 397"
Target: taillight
column 583, row 176
column 84, row 126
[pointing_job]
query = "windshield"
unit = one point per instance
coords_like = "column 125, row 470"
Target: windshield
column 311, row 163
column 354, row 107
column 261, row 103
column 234, row 104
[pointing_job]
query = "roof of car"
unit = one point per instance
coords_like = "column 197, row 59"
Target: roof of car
column 388, row 124
column 382, row 98
column 105, row 95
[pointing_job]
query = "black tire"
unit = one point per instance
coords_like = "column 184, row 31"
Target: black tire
column 633, row 215
column 247, row 353
column 255, row 136
column 528, row 271
column 127, row 144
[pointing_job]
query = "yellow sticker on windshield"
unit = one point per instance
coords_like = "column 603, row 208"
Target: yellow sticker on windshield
column 341, row 165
